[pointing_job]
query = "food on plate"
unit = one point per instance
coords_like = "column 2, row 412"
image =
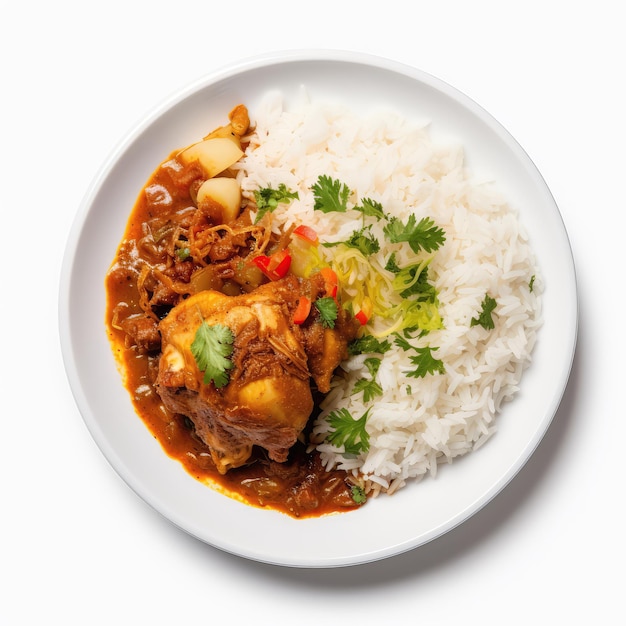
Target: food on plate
column 240, row 367
column 317, row 306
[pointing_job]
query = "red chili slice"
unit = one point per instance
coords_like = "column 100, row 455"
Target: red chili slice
column 302, row 310
column 361, row 317
column 331, row 280
column 307, row 233
column 275, row 266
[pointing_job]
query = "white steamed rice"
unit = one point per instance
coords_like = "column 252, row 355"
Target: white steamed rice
column 418, row 423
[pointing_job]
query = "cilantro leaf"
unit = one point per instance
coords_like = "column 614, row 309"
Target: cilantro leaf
column 484, row 319
column 267, row 199
column 371, row 208
column 183, row 253
column 330, row 195
column 421, row 236
column 328, row 310
column 426, row 363
column 368, row 344
column 361, row 239
column 210, row 348
column 358, row 494
column 370, row 388
column 348, row 432
column 373, row 365
column 531, row 283
column 401, row 342
column 392, row 265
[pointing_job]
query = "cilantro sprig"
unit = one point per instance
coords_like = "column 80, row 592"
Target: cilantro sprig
column 361, row 239
column 422, row 235
column 211, row 347
column 358, row 494
column 330, row 195
column 267, row 199
column 371, row 208
column 328, row 311
column 370, row 388
column 425, row 363
column 484, row 318
column 368, row 344
column 348, row 432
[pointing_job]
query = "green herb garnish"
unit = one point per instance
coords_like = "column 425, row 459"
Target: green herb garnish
column 267, row 199
column 392, row 265
column 402, row 342
column 211, row 347
column 373, row 365
column 426, row 363
column 370, row 388
column 361, row 239
column 330, row 195
column 183, row 253
column 358, row 494
column 423, row 235
column 484, row 319
column 371, row 208
column 328, row 310
column 413, row 281
column 368, row 344
column 348, row 432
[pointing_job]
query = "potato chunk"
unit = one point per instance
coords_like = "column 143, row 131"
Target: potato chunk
column 214, row 155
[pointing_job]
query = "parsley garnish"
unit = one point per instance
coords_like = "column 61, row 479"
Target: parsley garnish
column 370, row 388
column 362, row 240
column 183, row 253
column 373, row 365
column 358, row 494
column 210, row 348
column 401, row 342
column 348, row 432
column 372, row 208
column 392, row 265
column 330, row 195
column 531, row 283
column 267, row 199
column 484, row 319
column 421, row 236
column 328, row 310
column 426, row 363
column 368, row 344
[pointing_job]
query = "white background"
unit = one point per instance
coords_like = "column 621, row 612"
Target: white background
column 77, row 545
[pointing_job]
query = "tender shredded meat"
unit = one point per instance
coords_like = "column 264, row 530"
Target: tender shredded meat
column 268, row 400
column 142, row 331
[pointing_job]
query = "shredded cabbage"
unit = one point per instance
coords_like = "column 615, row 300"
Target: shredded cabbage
column 365, row 282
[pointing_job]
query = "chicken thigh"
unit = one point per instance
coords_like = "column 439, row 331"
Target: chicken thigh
column 267, row 399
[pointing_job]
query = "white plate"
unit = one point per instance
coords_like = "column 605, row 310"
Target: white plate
column 387, row 525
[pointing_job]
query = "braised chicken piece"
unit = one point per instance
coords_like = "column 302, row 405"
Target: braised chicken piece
column 267, row 399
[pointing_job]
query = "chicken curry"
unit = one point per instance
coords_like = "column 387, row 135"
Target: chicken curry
column 225, row 343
